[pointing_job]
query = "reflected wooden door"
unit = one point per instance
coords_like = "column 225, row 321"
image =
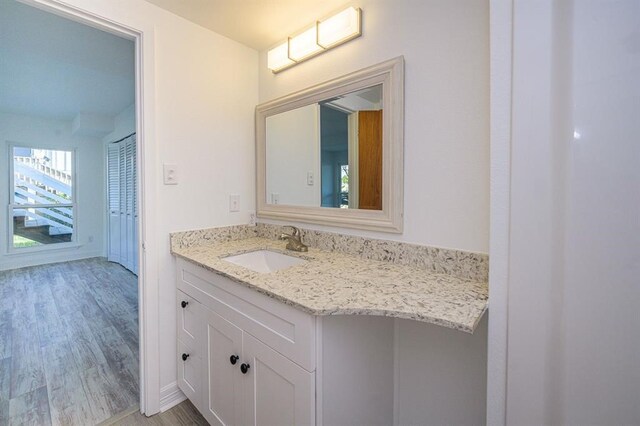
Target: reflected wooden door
column 370, row 160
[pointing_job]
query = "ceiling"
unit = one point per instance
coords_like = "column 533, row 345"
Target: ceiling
column 256, row 23
column 55, row 68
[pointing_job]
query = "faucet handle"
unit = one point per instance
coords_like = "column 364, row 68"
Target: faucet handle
column 296, row 231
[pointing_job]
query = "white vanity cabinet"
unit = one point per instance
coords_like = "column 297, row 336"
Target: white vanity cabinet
column 243, row 358
column 189, row 349
column 222, row 390
column 301, row 369
column 279, row 391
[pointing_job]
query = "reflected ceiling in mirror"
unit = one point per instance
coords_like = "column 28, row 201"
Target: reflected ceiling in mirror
column 327, row 154
column 333, row 153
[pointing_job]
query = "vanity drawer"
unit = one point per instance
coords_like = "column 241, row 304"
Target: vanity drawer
column 188, row 314
column 284, row 328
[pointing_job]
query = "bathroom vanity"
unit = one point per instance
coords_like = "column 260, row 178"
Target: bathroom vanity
column 311, row 341
column 275, row 337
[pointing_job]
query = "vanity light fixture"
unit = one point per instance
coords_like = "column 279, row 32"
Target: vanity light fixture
column 278, row 57
column 304, row 45
column 339, row 28
column 326, row 34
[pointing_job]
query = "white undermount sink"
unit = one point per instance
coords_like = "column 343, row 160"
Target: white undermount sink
column 264, row 261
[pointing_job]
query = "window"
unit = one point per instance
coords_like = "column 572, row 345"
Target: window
column 43, row 197
column 344, row 186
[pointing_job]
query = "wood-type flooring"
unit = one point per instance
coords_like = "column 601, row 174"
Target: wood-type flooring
column 68, row 343
column 183, row 414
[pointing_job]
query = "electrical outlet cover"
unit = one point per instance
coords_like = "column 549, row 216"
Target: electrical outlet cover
column 234, row 203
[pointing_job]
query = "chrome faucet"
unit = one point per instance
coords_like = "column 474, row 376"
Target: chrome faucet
column 294, row 240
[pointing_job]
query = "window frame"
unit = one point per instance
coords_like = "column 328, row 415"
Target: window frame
column 11, row 249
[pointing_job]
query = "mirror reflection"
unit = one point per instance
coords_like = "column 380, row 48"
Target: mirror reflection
column 327, row 154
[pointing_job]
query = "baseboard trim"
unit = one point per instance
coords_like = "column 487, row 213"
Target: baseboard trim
column 170, row 396
column 24, row 260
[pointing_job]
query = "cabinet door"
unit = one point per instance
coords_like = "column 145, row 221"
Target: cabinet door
column 223, row 392
column 190, row 373
column 277, row 392
column 190, row 320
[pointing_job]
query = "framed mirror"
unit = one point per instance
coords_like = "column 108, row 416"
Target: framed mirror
column 332, row 154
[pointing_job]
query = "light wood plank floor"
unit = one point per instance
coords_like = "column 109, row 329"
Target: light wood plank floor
column 183, row 414
column 68, row 343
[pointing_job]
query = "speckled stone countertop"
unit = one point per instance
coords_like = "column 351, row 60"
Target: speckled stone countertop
column 334, row 283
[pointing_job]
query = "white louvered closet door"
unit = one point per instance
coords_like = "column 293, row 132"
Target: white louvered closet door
column 113, row 182
column 130, row 185
column 134, row 209
column 123, row 198
column 123, row 201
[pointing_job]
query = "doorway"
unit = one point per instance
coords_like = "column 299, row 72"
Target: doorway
column 69, row 334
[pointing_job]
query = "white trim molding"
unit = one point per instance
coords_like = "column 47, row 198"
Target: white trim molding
column 501, row 25
column 170, row 396
column 55, row 256
column 390, row 219
column 145, row 129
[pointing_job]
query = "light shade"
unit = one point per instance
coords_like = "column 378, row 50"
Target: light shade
column 339, row 28
column 304, row 44
column 325, row 34
column 278, row 57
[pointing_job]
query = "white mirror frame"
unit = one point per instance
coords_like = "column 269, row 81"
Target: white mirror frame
column 391, row 75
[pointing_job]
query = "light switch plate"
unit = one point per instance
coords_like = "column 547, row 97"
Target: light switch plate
column 234, row 203
column 170, row 174
column 310, row 178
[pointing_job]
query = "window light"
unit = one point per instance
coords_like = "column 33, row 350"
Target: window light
column 325, row 34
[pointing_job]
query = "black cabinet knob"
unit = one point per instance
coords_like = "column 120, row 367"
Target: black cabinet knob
column 233, row 359
column 184, row 304
column 185, row 356
column 244, row 368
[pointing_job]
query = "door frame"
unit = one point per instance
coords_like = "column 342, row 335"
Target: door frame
column 148, row 292
column 500, row 81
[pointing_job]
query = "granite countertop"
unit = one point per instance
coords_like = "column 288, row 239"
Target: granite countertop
column 334, row 283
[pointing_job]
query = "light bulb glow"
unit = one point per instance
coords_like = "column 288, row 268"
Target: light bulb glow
column 278, row 57
column 304, row 45
column 339, row 28
column 331, row 32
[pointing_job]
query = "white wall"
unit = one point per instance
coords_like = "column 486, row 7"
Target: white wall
column 292, row 151
column 54, row 134
column 442, row 376
column 573, row 341
column 602, row 218
column 446, row 49
column 200, row 94
column 435, row 378
column 123, row 125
